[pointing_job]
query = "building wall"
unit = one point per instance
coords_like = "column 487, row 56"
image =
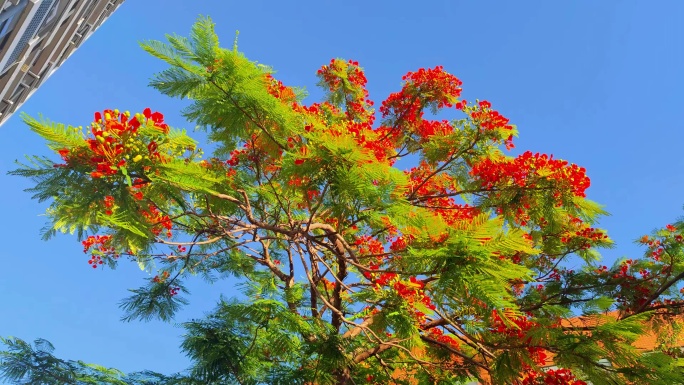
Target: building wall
column 36, row 37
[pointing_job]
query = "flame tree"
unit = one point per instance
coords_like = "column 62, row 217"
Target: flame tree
column 354, row 270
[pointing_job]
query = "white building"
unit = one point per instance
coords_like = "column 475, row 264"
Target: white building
column 36, row 37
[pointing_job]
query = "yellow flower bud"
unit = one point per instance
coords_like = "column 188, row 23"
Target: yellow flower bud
column 137, row 158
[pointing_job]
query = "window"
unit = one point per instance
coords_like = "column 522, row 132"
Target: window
column 17, row 93
column 28, row 81
column 50, row 14
column 45, row 73
column 29, row 32
column 34, row 45
column 4, row 108
column 36, row 57
column 4, row 41
column 4, row 25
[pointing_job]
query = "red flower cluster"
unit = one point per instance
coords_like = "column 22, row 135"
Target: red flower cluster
column 156, row 118
column 356, row 75
column 173, row 291
column 106, row 146
column 366, row 137
column 425, row 87
column 582, row 236
column 452, row 212
column 523, row 325
column 348, row 80
column 109, row 204
column 434, row 194
column 368, row 245
column 277, row 89
column 413, row 291
column 519, row 332
column 102, row 243
column 334, row 74
column 624, row 270
column 114, row 142
column 529, row 169
column 94, row 240
column 550, row 377
column 297, row 181
column 429, row 128
column 158, row 220
column 489, row 119
column 440, row 184
column 253, row 150
column 656, row 247
column 399, row 244
column 438, row 334
column 163, row 278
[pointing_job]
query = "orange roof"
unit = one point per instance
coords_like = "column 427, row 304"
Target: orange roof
column 647, row 342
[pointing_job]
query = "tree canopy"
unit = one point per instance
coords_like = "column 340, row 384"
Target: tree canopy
column 370, row 247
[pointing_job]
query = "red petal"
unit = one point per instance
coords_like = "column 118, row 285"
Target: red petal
column 134, row 122
column 157, row 117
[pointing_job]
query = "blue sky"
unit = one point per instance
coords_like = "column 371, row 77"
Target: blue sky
column 596, row 83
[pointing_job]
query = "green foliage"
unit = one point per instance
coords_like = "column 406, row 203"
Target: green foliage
column 153, row 302
column 353, row 270
column 23, row 363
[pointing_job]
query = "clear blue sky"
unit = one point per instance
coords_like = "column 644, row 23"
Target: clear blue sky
column 598, row 83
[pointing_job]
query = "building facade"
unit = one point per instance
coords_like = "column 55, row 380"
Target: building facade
column 36, row 37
